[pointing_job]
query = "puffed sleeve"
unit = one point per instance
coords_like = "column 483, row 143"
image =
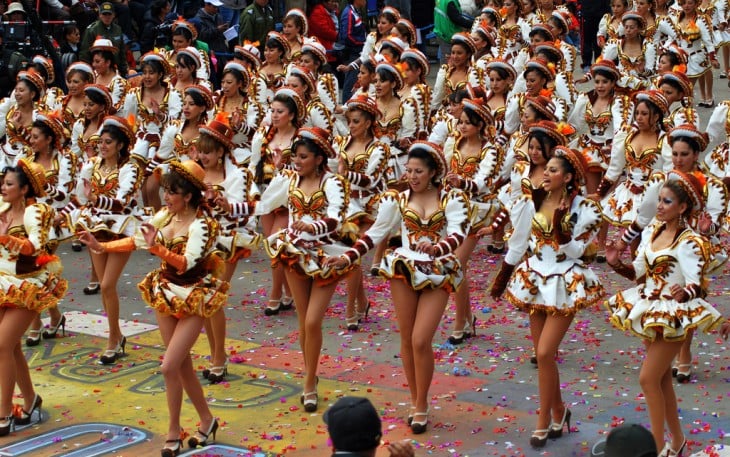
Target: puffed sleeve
column 647, row 207
column 639, row 261
column 622, row 112
column 617, row 163
column 243, row 192
column 375, row 169
column 387, row 221
column 603, row 27
column 130, row 104
column 5, row 106
column 37, row 220
column 336, row 190
column 588, row 221
column 157, row 221
column 439, row 89
column 76, row 131
column 577, row 118
column 717, row 126
column 439, row 132
column 65, row 182
column 408, row 127
column 368, row 49
column 456, row 210
column 87, row 170
column 650, row 58
column 277, row 194
column 705, row 27
column 488, row 172
column 130, row 178
column 692, row 256
column 259, row 90
column 119, row 90
column 512, row 113
column 421, row 94
column 256, row 145
column 174, row 106
column 610, row 50
column 716, row 201
column 318, row 116
column 521, row 214
column 165, row 151
column 328, row 90
column 561, row 107
column 201, row 234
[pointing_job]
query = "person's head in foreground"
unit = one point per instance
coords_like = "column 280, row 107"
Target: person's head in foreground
column 628, row 440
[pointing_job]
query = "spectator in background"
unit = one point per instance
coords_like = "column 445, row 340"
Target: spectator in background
column 210, row 30
column 54, row 10
column 448, row 20
column 231, row 11
column 152, row 21
column 106, row 28
column 323, row 24
column 352, row 37
column 69, row 42
column 257, row 20
column 403, row 6
column 591, row 13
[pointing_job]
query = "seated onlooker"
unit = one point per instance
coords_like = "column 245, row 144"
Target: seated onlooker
column 628, row 440
column 355, row 430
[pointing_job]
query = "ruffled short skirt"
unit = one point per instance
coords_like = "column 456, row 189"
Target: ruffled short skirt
column 37, row 293
column 649, row 318
column 443, row 272
column 557, row 294
column 202, row 298
column 620, row 207
column 305, row 261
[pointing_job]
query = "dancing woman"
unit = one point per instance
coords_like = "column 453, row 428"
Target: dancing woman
column 667, row 303
column 27, row 286
column 103, row 63
column 184, row 291
column 425, row 269
column 317, row 202
column 17, row 116
column 553, row 283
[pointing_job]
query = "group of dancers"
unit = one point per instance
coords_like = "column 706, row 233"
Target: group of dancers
column 503, row 146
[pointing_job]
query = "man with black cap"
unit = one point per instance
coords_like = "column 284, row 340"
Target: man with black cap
column 106, row 28
column 355, row 430
column 628, row 440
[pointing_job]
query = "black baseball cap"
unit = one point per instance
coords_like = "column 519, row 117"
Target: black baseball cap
column 628, row 440
column 353, row 424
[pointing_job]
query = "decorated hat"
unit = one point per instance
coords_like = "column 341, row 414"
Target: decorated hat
column 81, row 66
column 576, row 160
column 106, row 8
column 125, row 125
column 504, row 65
column 487, row 31
column 182, row 23
column 392, row 69
column 680, row 79
column 306, row 75
column 627, row 440
column 193, row 54
column 418, row 57
column 241, row 70
column 296, row 12
column 391, row 11
column 691, row 185
column 220, row 129
column 103, row 44
column 606, row 66
column 321, row 137
column 475, row 91
column 465, row 39
column 489, row 11
column 36, row 175
column 153, row 56
column 542, row 29
column 250, row 52
column 557, row 131
column 479, row 107
column 558, row 16
column 34, row 78
column 654, row 97
column 54, row 121
column 103, row 92
column 411, row 30
column 204, row 92
column 635, row 16
column 543, row 105
column 689, row 131
column 191, row 171
column 291, row 94
column 281, row 39
column 395, row 43
column 680, row 53
column 316, row 48
column 541, row 65
column 435, row 152
column 552, row 52
column 47, row 66
column 364, row 103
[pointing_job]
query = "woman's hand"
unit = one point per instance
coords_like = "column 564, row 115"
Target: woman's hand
column 426, row 247
column 16, row 116
column 678, row 293
column 149, row 232
column 704, row 223
column 453, row 180
column 337, row 263
column 725, row 329
column 485, row 231
column 222, row 202
column 89, row 192
column 612, row 253
column 343, row 68
column 302, row 226
column 5, row 222
column 401, row 449
column 90, row 240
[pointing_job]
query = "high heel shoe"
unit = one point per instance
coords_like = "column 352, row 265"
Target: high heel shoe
column 353, row 323
column 5, row 425
column 684, row 376
column 76, row 245
column 171, row 451
column 418, row 427
column 469, row 330
column 111, row 355
column 669, row 452
column 51, row 332
column 310, row 399
column 287, row 303
column 34, row 337
column 92, row 289
column 411, row 413
column 363, row 314
column 539, row 438
column 196, row 441
column 218, row 374
column 556, row 429
column 24, row 418
column 272, row 310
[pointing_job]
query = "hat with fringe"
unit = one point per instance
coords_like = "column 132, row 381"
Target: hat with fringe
column 553, row 53
column 419, row 57
column 607, row 66
column 316, row 48
column 392, row 69
column 83, row 67
column 557, row 131
column 395, row 43
column 411, row 29
column 543, row 105
column 291, row 94
column 321, row 137
column 47, row 65
column 54, row 122
column 635, row 16
column 220, row 129
column 103, row 44
column 103, row 91
column 365, row 103
column 281, row 39
column 125, row 125
column 465, row 39
column 306, row 75
column 489, row 11
column 654, row 97
column 504, row 65
column 204, row 92
column 245, row 75
column 479, row 107
column 542, row 28
column 191, row 171
column 487, row 31
column 181, row 22
column 435, row 151
column 691, row 185
column 575, row 159
column 540, row 65
column 299, row 13
column 689, row 131
column 680, row 79
column 153, row 56
column 193, row 54
column 249, row 51
column 33, row 77
column 677, row 51
column 36, row 175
